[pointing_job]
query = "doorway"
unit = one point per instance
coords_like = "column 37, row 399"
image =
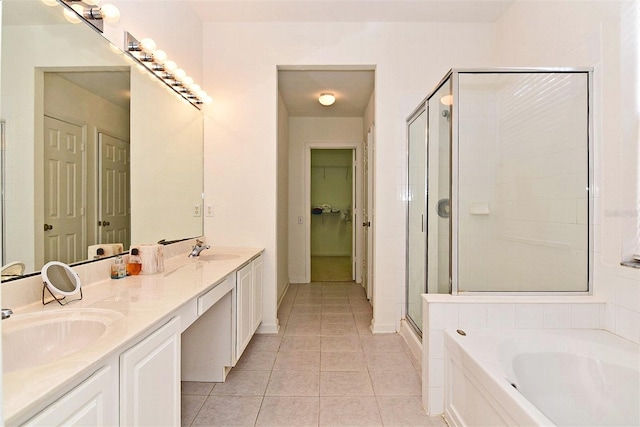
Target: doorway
column 332, row 197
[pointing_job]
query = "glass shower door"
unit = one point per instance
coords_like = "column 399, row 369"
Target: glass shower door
column 416, row 218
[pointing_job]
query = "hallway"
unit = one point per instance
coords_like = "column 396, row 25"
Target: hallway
column 325, row 367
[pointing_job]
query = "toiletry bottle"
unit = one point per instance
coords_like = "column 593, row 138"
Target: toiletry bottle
column 118, row 269
column 134, row 266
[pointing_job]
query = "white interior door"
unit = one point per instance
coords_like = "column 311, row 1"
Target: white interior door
column 64, row 169
column 114, row 216
column 368, row 214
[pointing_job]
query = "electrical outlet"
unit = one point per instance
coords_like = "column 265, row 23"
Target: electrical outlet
column 196, row 210
column 209, row 210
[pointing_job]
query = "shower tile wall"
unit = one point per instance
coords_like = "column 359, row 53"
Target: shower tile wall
column 523, row 177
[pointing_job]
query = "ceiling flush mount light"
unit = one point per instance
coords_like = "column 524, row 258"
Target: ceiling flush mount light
column 90, row 11
column 326, row 99
column 156, row 61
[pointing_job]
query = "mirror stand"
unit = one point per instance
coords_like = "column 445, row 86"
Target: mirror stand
column 55, row 298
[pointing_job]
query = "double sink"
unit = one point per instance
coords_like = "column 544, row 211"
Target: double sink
column 34, row 339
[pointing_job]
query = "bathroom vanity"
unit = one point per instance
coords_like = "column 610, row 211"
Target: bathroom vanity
column 130, row 342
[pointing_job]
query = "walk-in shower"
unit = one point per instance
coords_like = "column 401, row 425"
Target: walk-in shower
column 499, row 174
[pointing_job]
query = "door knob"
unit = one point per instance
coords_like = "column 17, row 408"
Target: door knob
column 103, row 223
column 366, row 224
column 48, row 227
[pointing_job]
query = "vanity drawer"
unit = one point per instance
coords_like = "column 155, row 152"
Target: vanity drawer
column 206, row 301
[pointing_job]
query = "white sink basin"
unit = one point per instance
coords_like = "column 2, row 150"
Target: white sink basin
column 30, row 340
column 217, row 257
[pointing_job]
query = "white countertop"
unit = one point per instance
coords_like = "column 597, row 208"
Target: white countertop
column 145, row 303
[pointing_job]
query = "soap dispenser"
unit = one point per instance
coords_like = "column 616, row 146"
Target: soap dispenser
column 118, row 269
column 134, row 266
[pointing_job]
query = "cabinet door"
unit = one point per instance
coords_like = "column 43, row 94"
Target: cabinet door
column 244, row 307
column 92, row 403
column 150, row 379
column 258, row 268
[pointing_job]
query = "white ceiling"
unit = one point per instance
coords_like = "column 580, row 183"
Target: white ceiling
column 350, row 10
column 300, row 90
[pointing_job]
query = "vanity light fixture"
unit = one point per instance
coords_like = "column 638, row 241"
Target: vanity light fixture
column 145, row 52
column 90, row 11
column 326, row 99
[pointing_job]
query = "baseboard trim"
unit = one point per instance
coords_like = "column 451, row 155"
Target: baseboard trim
column 383, row 328
column 286, row 289
column 414, row 342
column 270, row 328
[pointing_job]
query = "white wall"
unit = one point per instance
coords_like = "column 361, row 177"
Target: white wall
column 533, row 33
column 240, row 68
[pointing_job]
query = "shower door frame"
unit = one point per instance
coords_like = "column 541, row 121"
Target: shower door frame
column 454, row 173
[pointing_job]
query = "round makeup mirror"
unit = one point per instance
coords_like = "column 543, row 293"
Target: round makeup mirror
column 61, row 281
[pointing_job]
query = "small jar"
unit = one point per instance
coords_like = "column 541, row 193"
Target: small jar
column 118, row 269
column 134, row 266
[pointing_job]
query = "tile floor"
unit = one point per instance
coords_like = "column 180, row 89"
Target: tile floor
column 324, row 368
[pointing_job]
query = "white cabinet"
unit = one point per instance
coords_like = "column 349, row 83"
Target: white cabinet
column 248, row 302
column 93, row 402
column 150, row 379
column 244, row 308
column 258, row 273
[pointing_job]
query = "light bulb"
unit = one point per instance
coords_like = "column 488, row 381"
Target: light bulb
column 180, row 74
column 188, row 81
column 195, row 88
column 170, row 66
column 148, row 45
column 207, row 99
column 159, row 56
column 110, row 13
column 70, row 16
column 50, row 2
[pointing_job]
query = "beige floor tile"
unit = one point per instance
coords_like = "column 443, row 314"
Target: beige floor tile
column 306, row 309
column 190, row 406
column 362, row 308
column 261, row 342
column 341, row 343
column 345, row 384
column 256, row 361
column 404, row 411
column 337, row 318
column 301, row 343
column 308, row 299
column 196, row 388
column 387, row 343
column 389, row 362
column 297, row 361
column 305, row 317
column 308, row 328
column 339, row 329
column 294, row 383
column 336, row 309
column 334, row 300
column 245, row 383
column 342, row 361
column 349, row 411
column 289, row 411
column 229, row 411
column 396, row 383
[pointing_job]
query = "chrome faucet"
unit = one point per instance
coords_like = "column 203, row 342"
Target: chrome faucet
column 6, row 313
column 199, row 247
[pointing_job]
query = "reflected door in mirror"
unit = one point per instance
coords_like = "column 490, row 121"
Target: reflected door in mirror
column 115, row 216
column 64, row 168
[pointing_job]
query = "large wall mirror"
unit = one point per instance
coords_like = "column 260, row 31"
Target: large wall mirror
column 94, row 150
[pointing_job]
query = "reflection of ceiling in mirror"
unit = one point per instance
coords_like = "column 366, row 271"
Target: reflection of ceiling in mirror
column 31, row 12
column 114, row 85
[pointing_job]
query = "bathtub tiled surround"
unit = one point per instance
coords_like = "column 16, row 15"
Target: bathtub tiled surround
column 442, row 312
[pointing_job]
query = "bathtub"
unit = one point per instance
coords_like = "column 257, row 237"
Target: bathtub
column 577, row 377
